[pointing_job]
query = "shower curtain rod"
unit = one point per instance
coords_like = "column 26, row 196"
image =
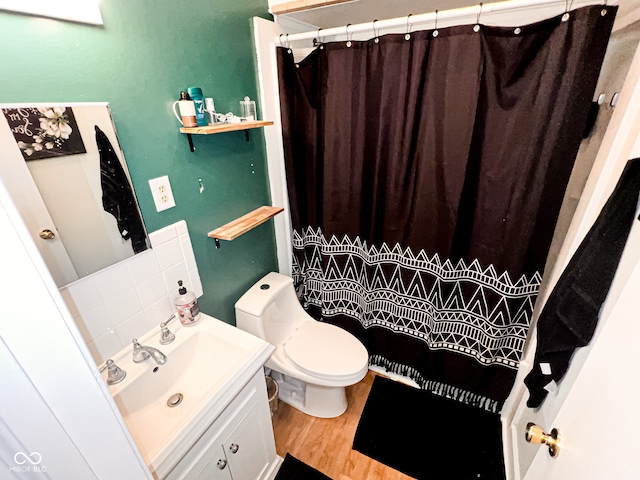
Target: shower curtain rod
column 473, row 12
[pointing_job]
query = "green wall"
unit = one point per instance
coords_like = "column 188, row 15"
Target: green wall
column 139, row 60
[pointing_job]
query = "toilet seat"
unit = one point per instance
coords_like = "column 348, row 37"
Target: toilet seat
column 326, row 351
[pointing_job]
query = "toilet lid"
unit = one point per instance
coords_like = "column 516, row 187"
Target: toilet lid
column 325, row 350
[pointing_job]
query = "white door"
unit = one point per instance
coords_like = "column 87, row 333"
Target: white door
column 34, row 444
column 25, row 194
column 594, row 392
column 56, row 412
column 584, row 386
column 599, row 420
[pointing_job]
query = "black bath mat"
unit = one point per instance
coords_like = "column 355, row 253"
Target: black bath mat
column 294, row 469
column 427, row 436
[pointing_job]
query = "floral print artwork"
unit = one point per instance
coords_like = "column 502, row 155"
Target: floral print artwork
column 44, row 132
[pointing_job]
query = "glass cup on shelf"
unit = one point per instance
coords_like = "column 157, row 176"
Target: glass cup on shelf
column 248, row 109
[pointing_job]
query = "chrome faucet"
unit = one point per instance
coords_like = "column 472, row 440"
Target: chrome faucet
column 142, row 352
column 114, row 373
column 166, row 337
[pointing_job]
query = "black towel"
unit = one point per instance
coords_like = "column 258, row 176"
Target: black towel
column 117, row 195
column 569, row 318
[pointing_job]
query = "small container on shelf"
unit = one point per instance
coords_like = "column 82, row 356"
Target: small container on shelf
column 187, row 109
column 248, row 109
column 210, row 109
column 198, row 100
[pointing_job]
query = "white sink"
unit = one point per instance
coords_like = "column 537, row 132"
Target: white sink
column 208, row 363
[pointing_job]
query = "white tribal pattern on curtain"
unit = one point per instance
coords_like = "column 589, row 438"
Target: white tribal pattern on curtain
column 345, row 277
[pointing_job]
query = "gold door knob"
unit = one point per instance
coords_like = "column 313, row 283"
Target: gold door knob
column 47, row 234
column 535, row 434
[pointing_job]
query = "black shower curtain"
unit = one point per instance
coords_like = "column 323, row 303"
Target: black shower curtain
column 425, row 178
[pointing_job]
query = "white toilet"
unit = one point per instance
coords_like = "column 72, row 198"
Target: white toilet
column 314, row 361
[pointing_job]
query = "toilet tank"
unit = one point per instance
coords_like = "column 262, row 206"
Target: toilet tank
column 270, row 309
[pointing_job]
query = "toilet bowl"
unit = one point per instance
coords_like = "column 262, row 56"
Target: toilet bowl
column 313, row 361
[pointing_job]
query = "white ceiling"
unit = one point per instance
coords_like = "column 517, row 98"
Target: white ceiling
column 363, row 11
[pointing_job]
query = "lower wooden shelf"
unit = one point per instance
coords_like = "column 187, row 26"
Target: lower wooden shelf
column 243, row 224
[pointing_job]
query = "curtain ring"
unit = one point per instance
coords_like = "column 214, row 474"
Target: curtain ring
column 375, row 33
column 567, row 7
column 288, row 44
column 435, row 27
column 280, row 38
column 407, row 35
column 348, row 37
column 318, row 41
column 476, row 27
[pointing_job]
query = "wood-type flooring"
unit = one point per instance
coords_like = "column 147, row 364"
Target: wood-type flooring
column 325, row 443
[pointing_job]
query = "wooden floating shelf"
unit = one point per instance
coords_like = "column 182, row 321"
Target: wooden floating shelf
column 300, row 5
column 243, row 224
column 224, row 127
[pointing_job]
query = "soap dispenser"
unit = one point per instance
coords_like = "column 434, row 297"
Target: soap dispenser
column 187, row 306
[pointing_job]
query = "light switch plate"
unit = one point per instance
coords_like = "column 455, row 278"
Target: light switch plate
column 161, row 192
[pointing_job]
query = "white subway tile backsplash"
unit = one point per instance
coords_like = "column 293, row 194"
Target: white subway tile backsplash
column 114, row 280
column 71, row 304
column 105, row 346
column 181, row 227
column 187, row 252
column 169, row 254
column 123, row 306
column 151, row 290
column 172, row 275
column 143, row 266
column 85, row 295
column 94, row 322
column 124, row 301
column 83, row 328
column 133, row 327
column 159, row 312
column 163, row 235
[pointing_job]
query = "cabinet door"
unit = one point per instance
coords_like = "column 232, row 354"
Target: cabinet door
column 212, row 465
column 205, row 461
column 246, row 447
column 240, row 441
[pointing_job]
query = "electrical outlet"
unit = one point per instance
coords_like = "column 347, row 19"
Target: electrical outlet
column 161, row 192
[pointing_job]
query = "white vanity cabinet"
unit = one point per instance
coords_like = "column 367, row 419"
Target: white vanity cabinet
column 221, row 427
column 238, row 445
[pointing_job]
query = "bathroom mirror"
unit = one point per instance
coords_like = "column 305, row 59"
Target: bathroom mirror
column 66, row 173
